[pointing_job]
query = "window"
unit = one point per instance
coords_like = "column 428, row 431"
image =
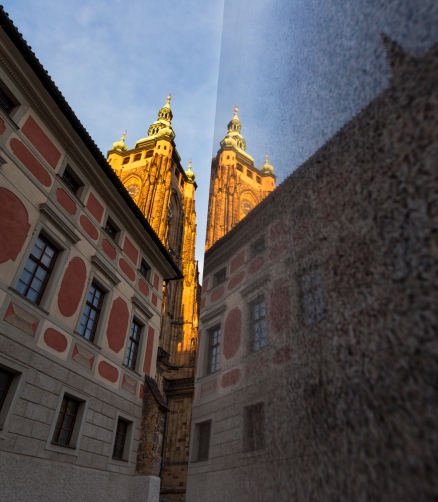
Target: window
column 37, row 270
column 258, row 323
column 133, row 345
column 145, row 270
column 202, row 438
column 239, row 167
column 219, row 277
column 66, row 421
column 214, row 346
column 253, row 427
column 111, row 229
column 259, row 180
column 249, row 173
column 71, row 180
column 5, row 382
column 92, row 309
column 125, row 161
column 137, row 156
column 120, row 440
column 149, row 153
column 311, row 297
column 7, row 100
column 257, row 247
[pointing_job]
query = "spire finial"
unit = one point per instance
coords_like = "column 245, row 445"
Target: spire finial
column 123, row 136
column 236, row 109
column 190, row 174
column 266, row 158
column 169, row 97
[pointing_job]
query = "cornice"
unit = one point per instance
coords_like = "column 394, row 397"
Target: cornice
column 49, row 211
column 105, row 269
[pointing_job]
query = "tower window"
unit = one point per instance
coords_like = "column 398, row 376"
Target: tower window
column 239, row 167
column 125, row 161
column 259, row 180
column 249, row 173
column 159, row 146
column 165, row 147
column 137, row 156
column 149, row 153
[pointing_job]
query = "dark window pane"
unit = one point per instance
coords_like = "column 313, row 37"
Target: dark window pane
column 66, row 421
column 5, row 381
column 203, row 440
column 90, row 316
column 70, row 181
column 120, row 440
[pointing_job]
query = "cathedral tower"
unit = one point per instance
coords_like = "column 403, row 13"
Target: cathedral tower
column 236, row 185
column 165, row 194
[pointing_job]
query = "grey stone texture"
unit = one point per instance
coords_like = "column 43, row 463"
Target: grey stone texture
column 348, row 375
column 27, row 479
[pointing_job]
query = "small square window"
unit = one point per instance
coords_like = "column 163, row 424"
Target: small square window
column 214, row 350
column 111, row 229
column 125, row 161
column 7, row 100
column 219, row 277
column 145, row 270
column 137, row 156
column 202, row 438
column 66, row 421
column 254, row 427
column 257, row 247
column 133, row 345
column 90, row 316
column 71, row 180
column 36, row 273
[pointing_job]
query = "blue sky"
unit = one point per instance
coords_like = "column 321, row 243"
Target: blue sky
column 298, row 69
column 116, row 61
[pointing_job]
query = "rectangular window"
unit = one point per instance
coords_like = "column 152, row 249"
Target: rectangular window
column 37, row 270
column 203, row 439
column 120, row 440
column 239, row 167
column 214, row 349
column 7, row 100
column 249, row 173
column 254, row 427
column 71, row 180
column 145, row 270
column 133, row 345
column 258, row 323
column 259, row 180
column 137, row 156
column 312, row 297
column 257, row 247
column 125, row 161
column 92, row 309
column 5, row 382
column 66, row 421
column 219, row 277
column 111, row 229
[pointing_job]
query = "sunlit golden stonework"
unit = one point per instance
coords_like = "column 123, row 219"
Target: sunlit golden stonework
column 165, row 193
column 236, row 185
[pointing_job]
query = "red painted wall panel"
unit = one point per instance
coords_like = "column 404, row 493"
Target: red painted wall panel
column 280, row 305
column 232, row 333
column 41, row 142
column 127, row 269
column 72, row 287
column 130, row 250
column 108, row 371
column 148, row 351
column 14, row 225
column 89, row 227
column 117, row 325
column 30, row 162
column 109, row 249
column 95, row 207
column 237, row 262
column 55, row 340
column 66, row 201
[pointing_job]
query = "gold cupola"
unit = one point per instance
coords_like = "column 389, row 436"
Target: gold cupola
column 162, row 127
column 233, row 137
column 267, row 168
column 120, row 145
column 189, row 173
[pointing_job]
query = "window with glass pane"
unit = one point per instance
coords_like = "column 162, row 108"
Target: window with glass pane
column 133, row 345
column 111, row 229
column 119, row 443
column 66, row 421
column 37, row 270
column 71, row 180
column 258, row 323
column 214, row 347
column 5, row 382
column 6, row 102
column 92, row 309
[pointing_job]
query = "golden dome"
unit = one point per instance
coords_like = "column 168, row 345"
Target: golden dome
column 120, row 145
column 189, row 173
column 267, row 168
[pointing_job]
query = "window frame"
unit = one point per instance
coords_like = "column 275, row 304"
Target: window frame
column 255, row 301
column 196, row 442
column 76, row 179
column 129, row 438
column 257, row 247
column 59, row 428
column 137, row 343
column 97, row 286
column 13, row 393
column 76, row 435
column 210, row 347
column 109, row 222
column 252, row 444
column 219, row 277
column 39, row 264
column 148, row 273
column 316, row 292
column 4, row 89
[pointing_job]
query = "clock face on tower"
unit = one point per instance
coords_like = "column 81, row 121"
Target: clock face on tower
column 133, row 190
column 246, row 206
